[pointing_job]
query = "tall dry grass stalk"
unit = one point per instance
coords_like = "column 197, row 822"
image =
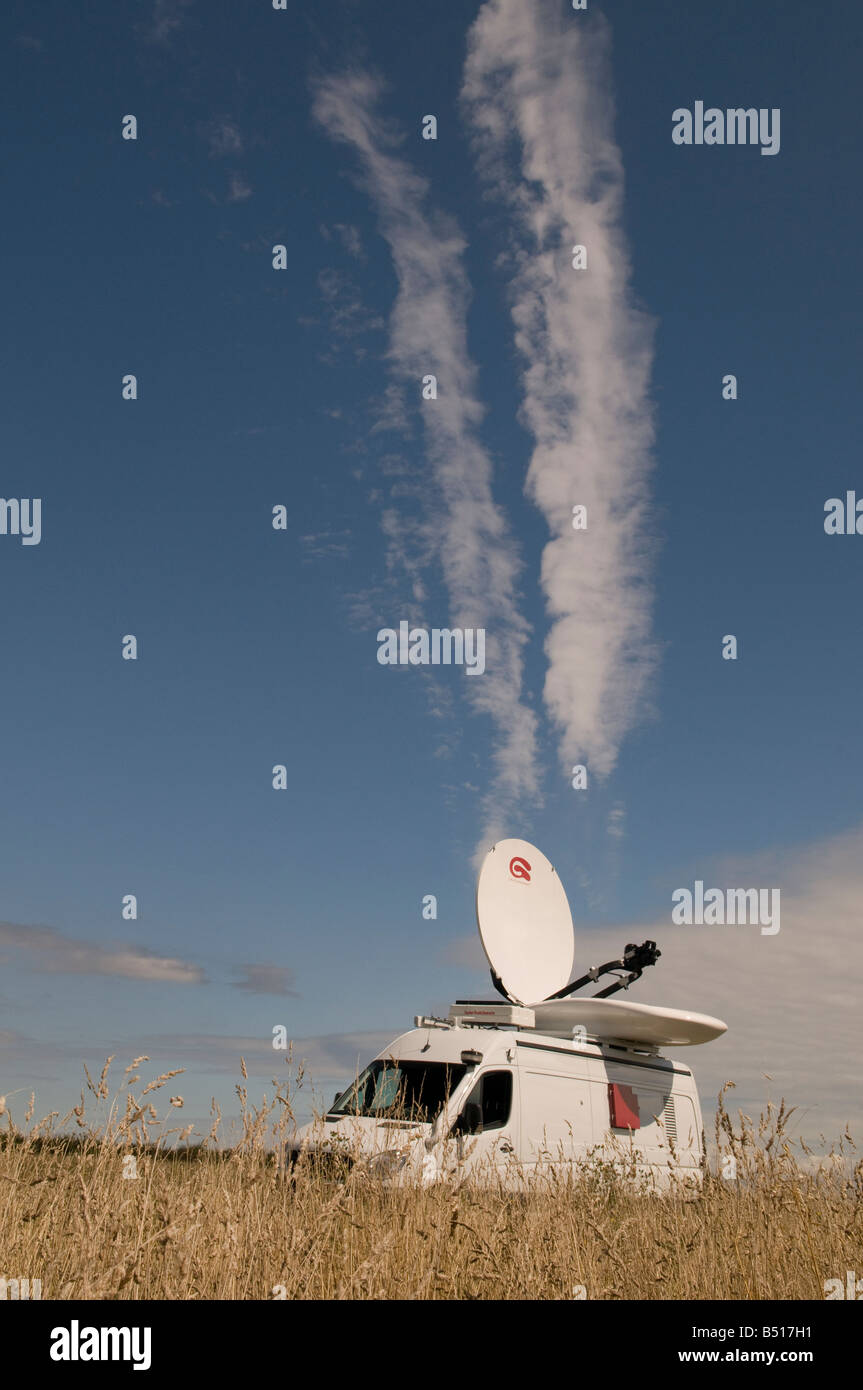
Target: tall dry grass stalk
column 115, row 1211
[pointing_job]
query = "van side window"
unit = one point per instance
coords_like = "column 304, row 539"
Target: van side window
column 493, row 1094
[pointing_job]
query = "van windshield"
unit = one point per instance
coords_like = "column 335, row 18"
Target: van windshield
column 394, row 1090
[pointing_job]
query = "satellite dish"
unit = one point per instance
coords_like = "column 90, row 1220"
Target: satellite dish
column 524, row 921
column 622, row 1018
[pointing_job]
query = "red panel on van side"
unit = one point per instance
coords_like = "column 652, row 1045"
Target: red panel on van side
column 623, row 1107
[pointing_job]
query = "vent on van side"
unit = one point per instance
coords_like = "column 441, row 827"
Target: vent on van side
column 669, row 1120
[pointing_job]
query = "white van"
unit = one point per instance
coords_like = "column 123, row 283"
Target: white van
column 515, row 1092
column 487, row 1095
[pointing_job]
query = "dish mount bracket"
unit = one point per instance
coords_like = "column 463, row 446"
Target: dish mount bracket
column 633, row 963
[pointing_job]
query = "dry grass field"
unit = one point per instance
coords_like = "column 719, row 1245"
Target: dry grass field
column 111, row 1211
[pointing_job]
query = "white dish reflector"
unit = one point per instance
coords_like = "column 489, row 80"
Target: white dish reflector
column 524, row 921
column 630, row 1022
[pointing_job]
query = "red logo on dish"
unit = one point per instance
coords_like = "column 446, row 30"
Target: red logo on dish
column 519, row 868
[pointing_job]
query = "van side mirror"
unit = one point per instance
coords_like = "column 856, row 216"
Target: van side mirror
column 470, row 1120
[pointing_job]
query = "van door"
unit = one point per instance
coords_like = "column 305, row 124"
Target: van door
column 486, row 1130
column 556, row 1115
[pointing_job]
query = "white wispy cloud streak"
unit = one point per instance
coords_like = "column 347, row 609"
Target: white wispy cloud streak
column 536, row 91
column 428, row 334
column 46, row 949
column 168, row 16
column 266, row 979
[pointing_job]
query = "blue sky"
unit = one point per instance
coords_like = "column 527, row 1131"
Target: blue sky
column 300, row 387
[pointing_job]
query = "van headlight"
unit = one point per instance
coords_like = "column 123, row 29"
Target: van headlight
column 386, row 1164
